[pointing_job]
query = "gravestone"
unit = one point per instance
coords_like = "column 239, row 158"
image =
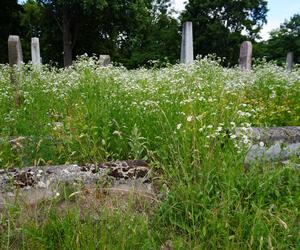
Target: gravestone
column 104, row 60
column 15, row 54
column 187, row 50
column 289, row 61
column 35, row 51
column 246, row 55
column 15, row 57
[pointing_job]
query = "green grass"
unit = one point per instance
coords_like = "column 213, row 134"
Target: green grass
column 181, row 120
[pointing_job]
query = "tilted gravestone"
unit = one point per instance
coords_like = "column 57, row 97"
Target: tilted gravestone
column 104, row 60
column 35, row 51
column 187, row 50
column 289, row 61
column 15, row 54
column 246, row 55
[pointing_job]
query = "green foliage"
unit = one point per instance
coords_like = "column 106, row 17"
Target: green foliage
column 73, row 5
column 9, row 24
column 182, row 120
column 157, row 40
column 147, row 31
column 228, row 209
column 96, row 114
column 283, row 40
column 106, row 231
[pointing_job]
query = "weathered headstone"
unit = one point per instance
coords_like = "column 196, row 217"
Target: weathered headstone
column 289, row 61
column 104, row 60
column 35, row 51
column 15, row 54
column 187, row 50
column 246, row 55
column 15, row 57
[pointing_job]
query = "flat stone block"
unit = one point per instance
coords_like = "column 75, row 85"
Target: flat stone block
column 33, row 184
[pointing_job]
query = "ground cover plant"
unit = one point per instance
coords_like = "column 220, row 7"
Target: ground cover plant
column 179, row 119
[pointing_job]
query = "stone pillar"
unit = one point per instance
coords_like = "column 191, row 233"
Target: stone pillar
column 35, row 51
column 15, row 54
column 246, row 55
column 187, row 50
column 289, row 61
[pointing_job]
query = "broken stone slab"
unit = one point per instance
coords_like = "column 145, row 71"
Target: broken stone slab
column 33, row 184
column 274, row 153
column 287, row 134
column 275, row 144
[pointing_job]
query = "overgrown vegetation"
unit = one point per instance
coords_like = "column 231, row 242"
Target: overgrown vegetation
column 181, row 120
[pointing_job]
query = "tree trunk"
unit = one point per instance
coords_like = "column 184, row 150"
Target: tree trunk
column 67, row 39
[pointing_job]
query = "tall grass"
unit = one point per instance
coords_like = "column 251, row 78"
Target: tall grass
column 181, row 120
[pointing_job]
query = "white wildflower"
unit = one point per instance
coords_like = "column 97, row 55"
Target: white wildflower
column 232, row 136
column 201, row 129
column 219, row 129
column 189, row 118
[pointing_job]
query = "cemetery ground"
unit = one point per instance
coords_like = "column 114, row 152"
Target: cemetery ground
column 181, row 121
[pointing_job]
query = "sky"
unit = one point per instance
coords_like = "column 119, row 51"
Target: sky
column 279, row 11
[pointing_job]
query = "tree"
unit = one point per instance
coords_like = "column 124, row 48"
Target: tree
column 68, row 16
column 115, row 27
column 220, row 26
column 9, row 24
column 37, row 21
column 283, row 40
column 131, row 32
column 157, row 39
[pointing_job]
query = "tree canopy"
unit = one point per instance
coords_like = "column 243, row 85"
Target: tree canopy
column 131, row 32
column 283, row 40
column 9, row 24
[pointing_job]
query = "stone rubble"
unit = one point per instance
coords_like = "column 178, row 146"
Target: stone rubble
column 36, row 183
